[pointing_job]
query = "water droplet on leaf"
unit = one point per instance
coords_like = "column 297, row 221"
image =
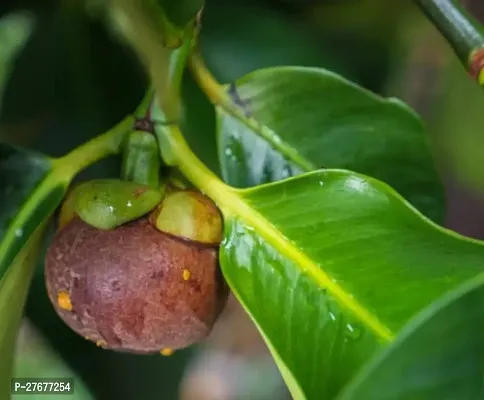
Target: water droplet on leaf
column 352, row 332
column 286, row 172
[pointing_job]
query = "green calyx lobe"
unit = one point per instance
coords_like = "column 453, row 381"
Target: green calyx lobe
column 189, row 215
column 109, row 203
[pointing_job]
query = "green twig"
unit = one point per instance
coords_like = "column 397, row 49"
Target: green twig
column 145, row 26
column 464, row 33
column 144, row 107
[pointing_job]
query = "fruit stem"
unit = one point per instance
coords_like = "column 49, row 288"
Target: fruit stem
column 464, row 33
column 141, row 159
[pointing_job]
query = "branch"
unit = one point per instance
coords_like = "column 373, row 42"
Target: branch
column 464, row 33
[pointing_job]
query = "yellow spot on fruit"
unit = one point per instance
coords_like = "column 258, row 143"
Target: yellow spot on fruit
column 86, row 337
column 166, row 352
column 100, row 343
column 186, row 274
column 64, row 301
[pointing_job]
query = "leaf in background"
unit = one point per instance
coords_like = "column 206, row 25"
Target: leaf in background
column 13, row 293
column 325, row 262
column 29, row 192
column 300, row 119
column 437, row 357
column 240, row 36
column 459, row 124
column 15, row 29
column 35, row 358
column 182, row 11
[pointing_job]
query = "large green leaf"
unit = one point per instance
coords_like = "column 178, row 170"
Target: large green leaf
column 438, row 356
column 331, row 265
column 13, row 292
column 32, row 185
column 286, row 120
column 29, row 191
column 224, row 34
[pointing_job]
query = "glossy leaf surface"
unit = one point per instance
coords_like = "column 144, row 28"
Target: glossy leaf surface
column 437, row 357
column 294, row 119
column 29, row 191
column 230, row 51
column 324, row 263
column 13, row 293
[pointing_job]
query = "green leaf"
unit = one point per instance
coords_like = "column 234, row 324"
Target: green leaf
column 29, row 192
column 13, row 292
column 15, row 29
column 437, row 357
column 231, row 50
column 181, row 12
column 224, row 34
column 32, row 185
column 331, row 265
column 282, row 121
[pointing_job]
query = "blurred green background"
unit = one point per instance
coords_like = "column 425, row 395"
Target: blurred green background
column 65, row 78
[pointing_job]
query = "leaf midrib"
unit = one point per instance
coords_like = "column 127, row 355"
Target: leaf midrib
column 230, row 201
column 234, row 206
